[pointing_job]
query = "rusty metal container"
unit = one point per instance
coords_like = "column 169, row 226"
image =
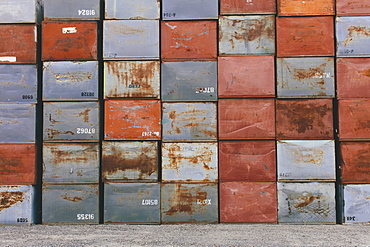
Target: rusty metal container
column 130, row 161
column 247, row 161
column 131, row 79
column 352, row 7
column 130, row 39
column 69, row 40
column 132, row 120
column 355, row 162
column 189, row 122
column 20, row 11
column 356, row 204
column 18, row 83
column 257, row 120
column 71, row 121
column 305, row 36
column 132, row 203
column 309, row 77
column 70, row 204
column 70, row 163
column 247, row 35
column 189, row 81
column 190, row 162
column 251, row 76
column 189, row 9
column 189, row 203
column 18, row 43
column 352, row 35
column 69, row 81
column 17, row 205
column 306, row 203
column 310, row 7
column 304, row 119
column 242, row 7
column 306, row 160
column 17, row 123
column 71, row 10
column 137, row 10
column 246, row 202
column 188, row 40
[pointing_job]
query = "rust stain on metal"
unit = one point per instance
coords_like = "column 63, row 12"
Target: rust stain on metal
column 72, row 199
column 85, row 115
column 354, row 31
column 9, row 198
column 365, row 72
column 52, row 133
column 305, row 201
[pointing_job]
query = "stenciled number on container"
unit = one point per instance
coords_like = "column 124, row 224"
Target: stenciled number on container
column 85, row 216
column 204, row 202
column 169, row 14
column 86, row 12
column 85, row 130
column 149, row 202
column 22, row 219
column 28, row 96
column 205, row 90
column 87, row 94
column 149, row 133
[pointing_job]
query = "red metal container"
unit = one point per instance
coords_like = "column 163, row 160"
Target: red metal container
column 305, row 36
column 247, row 160
column 355, row 162
column 353, row 7
column 246, row 76
column 69, row 40
column 246, row 118
column 304, row 119
column 189, row 39
column 240, row 7
column 306, row 7
column 245, row 202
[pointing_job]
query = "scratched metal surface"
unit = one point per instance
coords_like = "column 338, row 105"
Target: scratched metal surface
column 303, row 8
column 242, row 7
column 72, row 10
column 355, row 159
column 352, row 7
column 356, row 204
column 20, row 11
column 189, row 9
column 138, row 9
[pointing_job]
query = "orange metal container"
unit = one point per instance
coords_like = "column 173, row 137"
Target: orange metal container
column 304, row 119
column 247, row 161
column 305, row 36
column 17, row 164
column 353, row 7
column 132, row 120
column 246, row 118
column 355, row 162
column 189, row 39
column 246, row 202
column 353, row 78
column 306, row 7
column 69, row 40
column 18, row 43
column 246, row 76
column 240, row 7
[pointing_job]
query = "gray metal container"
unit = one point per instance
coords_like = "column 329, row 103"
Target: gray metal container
column 356, row 204
column 17, row 123
column 139, row 9
column 352, row 34
column 135, row 203
column 308, row 77
column 189, row 121
column 70, row 81
column 190, row 162
column 70, row 163
column 189, row 81
column 71, row 10
column 189, row 9
column 70, row 204
column 306, row 203
column 71, row 121
column 18, row 83
column 306, row 160
column 130, row 39
column 20, row 11
column 16, row 204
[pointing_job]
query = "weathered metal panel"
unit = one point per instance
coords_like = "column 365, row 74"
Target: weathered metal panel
column 353, row 36
column 16, row 204
column 306, row 203
column 309, row 77
column 246, row 76
column 247, row 35
column 257, row 120
column 18, row 83
column 352, row 7
column 135, row 203
column 70, row 163
column 355, row 162
column 130, row 39
column 305, row 36
column 189, row 203
column 17, row 123
column 357, row 204
column 71, row 121
column 70, row 204
column 189, row 40
column 18, row 164
column 139, row 9
column 20, row 11
column 311, row 7
column 70, row 81
column 248, row 202
column 69, row 40
column 130, row 161
column 71, row 10
column 131, row 79
column 189, row 81
column 241, row 7
column 189, row 121
column 247, row 161
column 189, row 9
column 306, row 160
column 304, row 119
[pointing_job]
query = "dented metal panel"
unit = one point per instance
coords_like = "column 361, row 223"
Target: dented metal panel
column 241, row 7
column 135, row 203
column 20, row 11
column 310, row 7
column 306, row 203
column 189, row 9
column 309, row 77
column 355, row 162
column 130, row 161
column 138, row 9
column 72, row 10
column 352, row 7
column 357, row 204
